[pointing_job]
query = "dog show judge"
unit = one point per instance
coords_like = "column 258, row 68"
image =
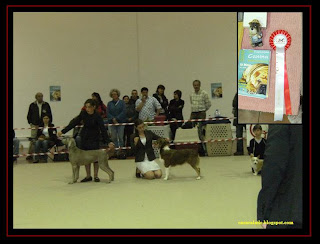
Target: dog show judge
column 93, row 126
column 141, row 143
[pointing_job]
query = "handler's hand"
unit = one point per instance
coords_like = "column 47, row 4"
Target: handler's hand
column 59, row 134
column 111, row 146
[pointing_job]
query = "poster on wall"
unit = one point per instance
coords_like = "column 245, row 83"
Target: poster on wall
column 216, row 90
column 55, row 93
column 253, row 70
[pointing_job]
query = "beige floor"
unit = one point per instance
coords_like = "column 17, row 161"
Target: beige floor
column 226, row 194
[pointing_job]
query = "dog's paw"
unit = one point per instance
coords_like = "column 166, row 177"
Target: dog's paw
column 198, row 178
column 166, row 178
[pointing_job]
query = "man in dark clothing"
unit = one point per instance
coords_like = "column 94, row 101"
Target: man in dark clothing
column 37, row 110
column 134, row 97
column 280, row 198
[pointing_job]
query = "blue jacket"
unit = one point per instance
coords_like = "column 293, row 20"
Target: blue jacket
column 117, row 110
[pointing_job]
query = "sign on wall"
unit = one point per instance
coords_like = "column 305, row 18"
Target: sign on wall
column 55, row 93
column 216, row 90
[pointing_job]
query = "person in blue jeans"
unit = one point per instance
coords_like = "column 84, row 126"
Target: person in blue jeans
column 116, row 114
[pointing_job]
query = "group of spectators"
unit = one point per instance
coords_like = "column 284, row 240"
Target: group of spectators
column 125, row 110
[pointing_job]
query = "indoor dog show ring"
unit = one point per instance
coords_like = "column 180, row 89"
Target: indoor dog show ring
column 225, row 195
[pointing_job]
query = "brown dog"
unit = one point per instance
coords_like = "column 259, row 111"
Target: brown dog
column 173, row 157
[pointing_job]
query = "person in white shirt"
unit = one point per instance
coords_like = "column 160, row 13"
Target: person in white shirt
column 200, row 101
column 200, row 104
column 46, row 138
column 147, row 106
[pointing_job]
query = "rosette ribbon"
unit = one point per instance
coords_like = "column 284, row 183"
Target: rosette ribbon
column 280, row 41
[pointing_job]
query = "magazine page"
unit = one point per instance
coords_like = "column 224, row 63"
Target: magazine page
column 253, row 69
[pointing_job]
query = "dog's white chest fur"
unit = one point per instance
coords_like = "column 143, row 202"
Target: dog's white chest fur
column 166, row 148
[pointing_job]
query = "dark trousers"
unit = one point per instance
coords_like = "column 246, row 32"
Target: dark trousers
column 174, row 127
column 128, row 131
column 200, row 115
column 239, row 134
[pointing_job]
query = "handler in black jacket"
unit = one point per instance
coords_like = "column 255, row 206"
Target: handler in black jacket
column 280, row 198
column 141, row 143
column 90, row 134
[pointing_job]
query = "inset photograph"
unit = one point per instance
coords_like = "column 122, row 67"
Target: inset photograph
column 270, row 67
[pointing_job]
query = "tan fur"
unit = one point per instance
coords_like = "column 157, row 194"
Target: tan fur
column 178, row 157
column 78, row 157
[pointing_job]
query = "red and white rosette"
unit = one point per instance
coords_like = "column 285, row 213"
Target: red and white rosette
column 280, row 41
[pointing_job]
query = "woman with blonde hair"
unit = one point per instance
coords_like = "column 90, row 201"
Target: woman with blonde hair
column 116, row 114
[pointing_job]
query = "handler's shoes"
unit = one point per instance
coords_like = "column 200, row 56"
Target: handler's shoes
column 96, row 179
column 138, row 173
column 87, row 179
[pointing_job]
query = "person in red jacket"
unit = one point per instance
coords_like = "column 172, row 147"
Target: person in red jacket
column 101, row 107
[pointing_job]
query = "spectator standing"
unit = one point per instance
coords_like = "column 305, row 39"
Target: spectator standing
column 175, row 111
column 162, row 99
column 116, row 114
column 132, row 115
column 200, row 102
column 134, row 97
column 37, row 110
column 101, row 107
column 147, row 105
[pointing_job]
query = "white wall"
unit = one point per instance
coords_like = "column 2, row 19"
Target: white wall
column 94, row 52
